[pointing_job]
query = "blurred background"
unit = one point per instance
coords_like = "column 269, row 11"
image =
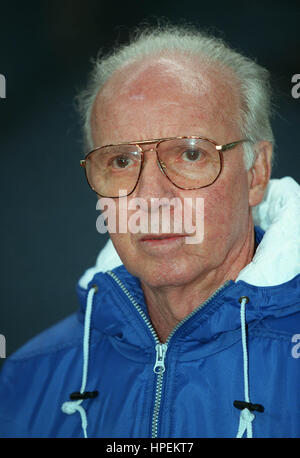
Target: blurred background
column 48, row 223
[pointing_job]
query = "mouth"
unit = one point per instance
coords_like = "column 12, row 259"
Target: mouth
column 159, row 238
column 161, row 244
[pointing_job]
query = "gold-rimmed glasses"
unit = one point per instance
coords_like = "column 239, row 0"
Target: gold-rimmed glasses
column 189, row 162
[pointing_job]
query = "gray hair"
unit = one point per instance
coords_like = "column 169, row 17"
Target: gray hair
column 148, row 42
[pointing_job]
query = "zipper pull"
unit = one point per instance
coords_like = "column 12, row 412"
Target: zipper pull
column 159, row 366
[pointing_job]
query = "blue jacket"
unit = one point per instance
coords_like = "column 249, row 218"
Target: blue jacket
column 228, row 349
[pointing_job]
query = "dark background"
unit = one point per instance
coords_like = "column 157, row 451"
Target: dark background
column 48, row 214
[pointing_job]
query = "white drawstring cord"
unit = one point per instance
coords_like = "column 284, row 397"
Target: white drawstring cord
column 246, row 417
column 71, row 407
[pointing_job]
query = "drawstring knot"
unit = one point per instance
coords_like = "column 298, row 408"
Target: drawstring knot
column 71, row 407
column 246, row 419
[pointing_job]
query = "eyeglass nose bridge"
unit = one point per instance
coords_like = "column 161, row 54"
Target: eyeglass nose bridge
column 161, row 165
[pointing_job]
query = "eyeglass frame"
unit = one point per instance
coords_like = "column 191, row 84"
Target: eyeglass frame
column 157, row 141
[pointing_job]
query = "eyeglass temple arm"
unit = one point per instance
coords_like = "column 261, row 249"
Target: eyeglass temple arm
column 230, row 145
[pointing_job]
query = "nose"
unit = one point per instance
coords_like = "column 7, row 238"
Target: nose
column 157, row 161
column 151, row 183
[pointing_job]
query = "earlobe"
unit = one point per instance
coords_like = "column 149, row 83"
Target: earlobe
column 260, row 172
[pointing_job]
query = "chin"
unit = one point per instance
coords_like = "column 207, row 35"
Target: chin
column 163, row 274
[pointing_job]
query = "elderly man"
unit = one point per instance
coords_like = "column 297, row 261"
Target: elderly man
column 182, row 336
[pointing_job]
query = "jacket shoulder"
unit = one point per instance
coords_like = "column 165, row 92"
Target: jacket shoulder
column 66, row 333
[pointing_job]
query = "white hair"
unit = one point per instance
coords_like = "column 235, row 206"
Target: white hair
column 255, row 92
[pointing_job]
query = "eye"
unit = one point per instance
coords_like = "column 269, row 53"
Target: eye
column 192, row 155
column 121, row 162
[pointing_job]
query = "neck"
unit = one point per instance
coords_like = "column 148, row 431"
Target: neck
column 169, row 305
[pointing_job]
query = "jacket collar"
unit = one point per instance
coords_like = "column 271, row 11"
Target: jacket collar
column 214, row 327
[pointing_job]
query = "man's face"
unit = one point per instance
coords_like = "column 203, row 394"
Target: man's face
column 169, row 98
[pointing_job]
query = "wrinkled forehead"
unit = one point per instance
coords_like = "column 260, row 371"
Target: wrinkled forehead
column 200, row 90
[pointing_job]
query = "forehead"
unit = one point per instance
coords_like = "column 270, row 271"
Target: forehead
column 164, row 97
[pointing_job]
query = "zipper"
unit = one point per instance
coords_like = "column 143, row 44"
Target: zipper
column 159, row 369
column 160, row 348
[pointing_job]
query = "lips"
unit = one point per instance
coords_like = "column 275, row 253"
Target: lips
column 160, row 237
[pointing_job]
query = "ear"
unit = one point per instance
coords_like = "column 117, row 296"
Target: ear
column 260, row 172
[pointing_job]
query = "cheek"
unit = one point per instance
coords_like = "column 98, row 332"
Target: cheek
column 216, row 216
column 122, row 237
column 225, row 210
